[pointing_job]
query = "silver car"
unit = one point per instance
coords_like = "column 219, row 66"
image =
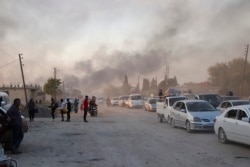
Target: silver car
column 193, row 115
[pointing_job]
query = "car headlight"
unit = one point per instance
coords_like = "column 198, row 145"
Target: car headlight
column 197, row 119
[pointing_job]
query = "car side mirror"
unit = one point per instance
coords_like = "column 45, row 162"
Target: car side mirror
column 245, row 119
column 3, row 103
column 183, row 110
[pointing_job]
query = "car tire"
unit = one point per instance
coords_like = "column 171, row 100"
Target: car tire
column 222, row 136
column 173, row 123
column 188, row 127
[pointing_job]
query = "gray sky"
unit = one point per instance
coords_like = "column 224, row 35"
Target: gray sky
column 94, row 43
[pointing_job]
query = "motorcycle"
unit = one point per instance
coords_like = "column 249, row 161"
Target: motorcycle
column 93, row 110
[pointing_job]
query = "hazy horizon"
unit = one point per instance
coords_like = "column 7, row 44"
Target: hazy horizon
column 95, row 43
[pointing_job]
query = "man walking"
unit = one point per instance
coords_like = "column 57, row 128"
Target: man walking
column 85, row 108
column 69, row 110
column 16, row 125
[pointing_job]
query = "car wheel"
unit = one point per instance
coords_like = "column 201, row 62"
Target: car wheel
column 222, row 136
column 173, row 123
column 188, row 127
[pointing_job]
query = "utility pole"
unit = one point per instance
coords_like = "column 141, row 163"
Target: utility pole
column 24, row 86
column 244, row 72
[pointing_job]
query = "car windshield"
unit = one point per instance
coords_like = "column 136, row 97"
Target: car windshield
column 173, row 100
column 199, row 107
column 238, row 103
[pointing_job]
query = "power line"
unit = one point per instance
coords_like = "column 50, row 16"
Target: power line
column 8, row 63
column 6, row 53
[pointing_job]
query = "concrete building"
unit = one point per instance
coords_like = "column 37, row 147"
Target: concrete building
column 17, row 91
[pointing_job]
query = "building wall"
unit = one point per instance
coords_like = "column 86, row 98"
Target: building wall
column 18, row 92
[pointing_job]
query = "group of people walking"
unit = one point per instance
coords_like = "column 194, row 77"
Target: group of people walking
column 65, row 107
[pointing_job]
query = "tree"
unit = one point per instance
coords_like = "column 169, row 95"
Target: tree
column 229, row 76
column 51, row 87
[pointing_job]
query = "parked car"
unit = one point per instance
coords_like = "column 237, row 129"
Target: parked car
column 213, row 99
column 193, row 115
column 115, row 101
column 135, row 101
column 234, row 125
column 150, row 104
column 229, row 103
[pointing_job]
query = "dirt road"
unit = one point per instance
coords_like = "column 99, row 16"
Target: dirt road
column 121, row 137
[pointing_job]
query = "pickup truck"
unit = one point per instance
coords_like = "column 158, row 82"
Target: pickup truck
column 164, row 105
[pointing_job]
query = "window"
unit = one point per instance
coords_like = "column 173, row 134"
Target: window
column 178, row 106
column 231, row 114
column 241, row 114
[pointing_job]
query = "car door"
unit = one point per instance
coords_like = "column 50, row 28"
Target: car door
column 178, row 114
column 242, row 127
column 183, row 114
column 229, row 122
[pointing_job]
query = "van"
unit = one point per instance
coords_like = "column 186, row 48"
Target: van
column 5, row 101
column 135, row 101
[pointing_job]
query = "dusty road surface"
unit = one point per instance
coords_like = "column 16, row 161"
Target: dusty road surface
column 121, row 137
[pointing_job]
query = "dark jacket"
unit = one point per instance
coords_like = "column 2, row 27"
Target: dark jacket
column 32, row 105
column 68, row 106
column 15, row 115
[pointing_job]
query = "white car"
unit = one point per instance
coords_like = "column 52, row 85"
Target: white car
column 115, row 101
column 193, row 115
column 150, row 104
column 123, row 100
column 135, row 101
column 234, row 125
column 230, row 103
